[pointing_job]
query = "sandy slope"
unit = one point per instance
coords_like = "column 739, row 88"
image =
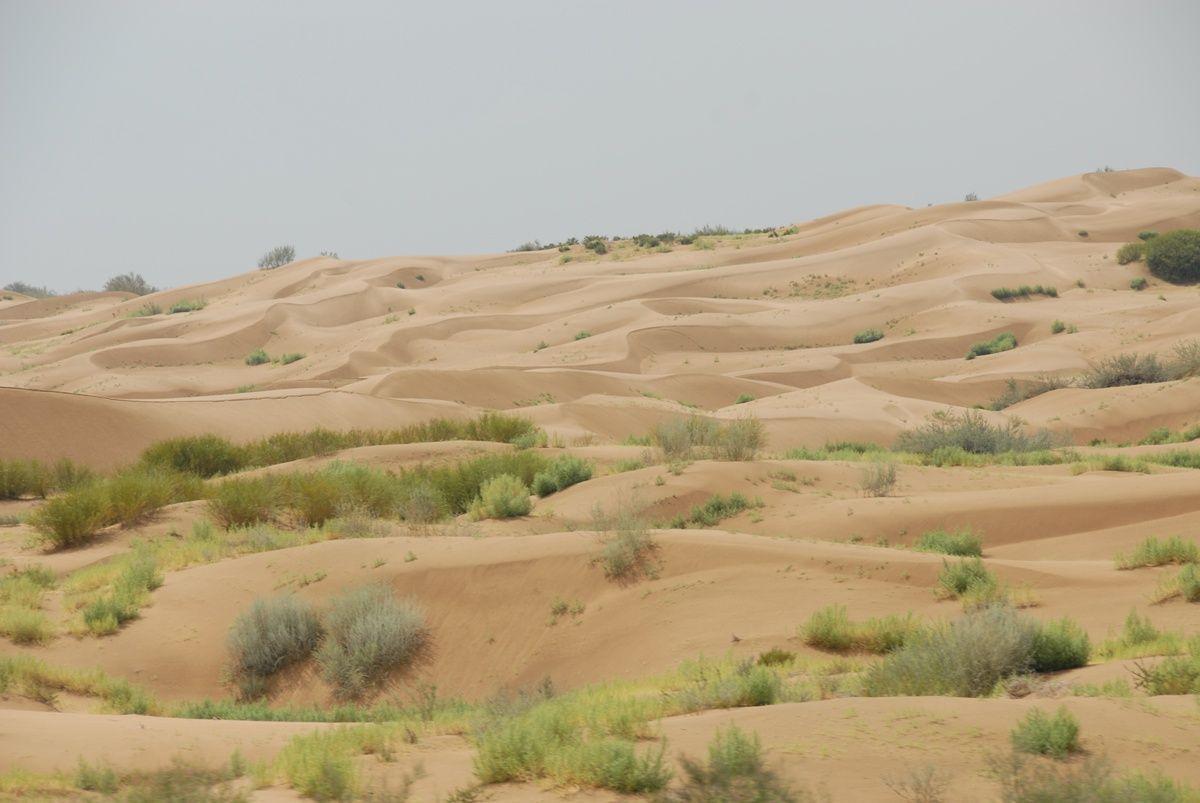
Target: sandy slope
column 598, row 349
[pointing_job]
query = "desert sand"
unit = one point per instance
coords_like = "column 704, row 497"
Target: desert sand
column 598, row 349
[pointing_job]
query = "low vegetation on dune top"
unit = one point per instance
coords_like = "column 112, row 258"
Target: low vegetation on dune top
column 970, row 431
column 697, row 436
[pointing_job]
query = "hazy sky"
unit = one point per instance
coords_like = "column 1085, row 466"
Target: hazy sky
column 183, row 139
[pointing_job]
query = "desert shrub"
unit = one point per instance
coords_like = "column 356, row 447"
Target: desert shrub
column 1177, row 674
column 1147, row 235
column 1125, row 369
column 1185, row 584
column 136, row 493
column 1175, row 256
column 740, row 439
column 964, row 542
column 964, row 577
column 320, row 765
column 830, row 628
column 868, row 336
column 461, row 484
column 71, row 519
column 679, row 438
column 369, row 634
column 743, row 398
column 1047, row 735
column 971, row 432
column 290, row 357
column 277, row 257
column 878, row 478
column 1139, row 637
column 187, row 305
column 1130, row 252
column 718, row 507
column 24, row 625
column 776, row 657
column 258, row 357
column 139, row 576
column 146, row 310
column 314, row 498
column 707, row 685
column 27, row 289
column 1153, row 552
column 502, row 497
column 1180, row 458
column 242, row 501
column 202, row 455
column 1025, row 780
column 965, row 658
column 422, row 504
column 1138, row 283
column 1060, row 644
column 20, row 478
column 735, row 771
column 1014, row 392
column 561, row 474
column 628, row 552
column 129, row 283
column 1024, row 291
column 1186, row 360
column 1004, row 341
column 272, row 634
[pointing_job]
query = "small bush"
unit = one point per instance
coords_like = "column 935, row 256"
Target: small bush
column 1059, row 645
column 735, row 771
column 71, row 519
column 964, row 577
column 743, row 398
column 187, row 305
column 830, row 628
column 202, row 455
column 1138, row 283
column 878, row 478
column 679, row 438
column 568, row 471
column 868, row 336
column 718, row 508
column 242, row 501
column 1153, row 552
column 1175, row 256
column 1046, row 735
column 1130, row 252
column 1091, row 781
column 583, row 335
column 964, row 543
column 258, row 357
column 1177, row 674
column 1015, row 393
column 146, row 310
column 502, row 497
column 277, row 257
column 1004, row 341
column 320, row 765
column 129, row 283
column 544, row 484
column 740, row 439
column 628, row 552
column 1125, row 369
column 1147, row 235
column 971, row 432
column 271, row 635
column 290, row 357
column 24, row 625
column 19, row 478
column 369, row 635
column 1058, row 327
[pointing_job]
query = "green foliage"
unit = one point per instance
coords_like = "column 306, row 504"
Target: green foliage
column 138, row 577
column 146, row 310
column 1043, row 734
column 290, row 357
column 96, row 779
column 878, row 478
column 1175, row 256
column 1058, row 327
column 685, row 438
column 628, row 552
column 320, row 765
column 735, row 771
column 370, row 634
column 242, row 501
column 964, row 577
column 970, row 432
column 561, row 474
column 1024, row 291
column 187, row 305
column 27, row 672
column 1153, row 552
column 258, row 357
column 277, row 257
column 1177, row 674
column 1125, row 369
column 964, row 542
column 740, row 439
column 1130, row 252
column 1015, row 393
column 202, row 455
column 1092, row 780
column 868, row 336
column 20, row 478
column 583, row 335
column 717, row 508
column 502, row 497
column 271, row 635
column 129, row 283
column 71, row 519
column 1060, row 644
column 26, row 289
column 830, row 628
column 743, row 398
column 1004, row 341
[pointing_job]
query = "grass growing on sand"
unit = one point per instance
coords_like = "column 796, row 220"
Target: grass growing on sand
column 1153, row 552
column 830, row 628
column 963, row 543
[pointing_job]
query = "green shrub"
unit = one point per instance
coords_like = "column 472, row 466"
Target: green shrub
column 708, row 685
column 1147, row 235
column 582, row 335
column 544, row 484
column 1125, row 369
column 1046, row 735
column 830, row 628
column 315, row 498
column 679, row 438
column 628, row 552
column 96, row 779
column 1024, row 291
column 71, row 519
column 136, row 493
column 1004, row 341
column 868, row 336
column 187, row 305
column 369, row 635
column 970, row 432
column 1130, row 252
column 568, row 471
column 718, row 507
column 878, row 478
column 105, row 615
column 964, row 542
column 258, row 357
column 24, row 625
column 965, row 658
column 1058, row 327
column 320, row 765
column 20, row 478
column 202, row 455
column 271, row 635
column 146, row 310
column 743, row 398
column 735, row 771
column 1153, row 552
column 1175, row 256
column 502, row 497
column 277, row 257
column 1177, row 674
column 1059, row 645
column 1090, row 781
column 1138, row 283
column 740, row 439
column 1015, row 393
column 965, row 577
column 290, row 357
column 242, row 501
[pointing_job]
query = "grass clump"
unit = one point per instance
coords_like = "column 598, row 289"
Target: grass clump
column 1060, row 644
column 71, row 519
column 1139, row 638
column 277, row 257
column 271, row 635
column 1039, row 733
column 830, row 628
column 369, row 634
column 970, row 432
column 868, row 336
column 1024, row 291
column 187, row 305
column 1026, row 779
column 1185, row 584
column 715, row 510
column 290, row 357
column 244, row 501
column 1015, row 392
column 878, row 478
column 258, row 357
column 1005, row 341
column 320, row 765
column 21, row 594
column 735, row 771
column 561, row 474
column 686, row 438
column 1125, row 369
column 502, row 497
column 35, row 678
column 1175, row 256
column 743, row 398
column 138, row 576
column 963, row 543
column 1177, row 674
column 1153, row 552
column 1131, row 252
column 628, row 552
column 1138, row 283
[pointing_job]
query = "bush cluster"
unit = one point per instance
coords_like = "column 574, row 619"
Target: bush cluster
column 1005, row 341
column 685, row 438
column 562, row 474
column 970, row 432
column 1175, row 256
column 830, row 628
column 1024, row 291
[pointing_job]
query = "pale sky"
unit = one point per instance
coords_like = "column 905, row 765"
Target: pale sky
column 181, row 140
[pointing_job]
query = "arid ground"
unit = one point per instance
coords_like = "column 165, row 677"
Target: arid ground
column 609, row 356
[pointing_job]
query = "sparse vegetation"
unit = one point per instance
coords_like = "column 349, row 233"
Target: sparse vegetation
column 257, row 357
column 1031, row 780
column 685, row 438
column 187, row 305
column 868, row 336
column 1004, row 341
column 1125, row 369
column 27, row 289
column 502, row 497
column 277, row 257
column 1024, row 291
column 970, row 432
column 735, row 771
column 1044, row 734
column 628, row 552
column 1138, row 283
column 1175, row 256
column 561, row 474
column 964, row 542
column 1130, row 252
column 878, row 478
column 1015, row 392
column 830, row 628
column 290, row 357
column 715, row 510
column 129, row 283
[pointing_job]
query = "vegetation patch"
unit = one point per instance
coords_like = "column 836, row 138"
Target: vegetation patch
column 1153, row 552
column 964, row 542
column 868, row 336
column 271, row 635
column 1055, row 735
column 369, row 635
column 1175, row 256
column 1005, row 341
column 830, row 628
column 1024, row 291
